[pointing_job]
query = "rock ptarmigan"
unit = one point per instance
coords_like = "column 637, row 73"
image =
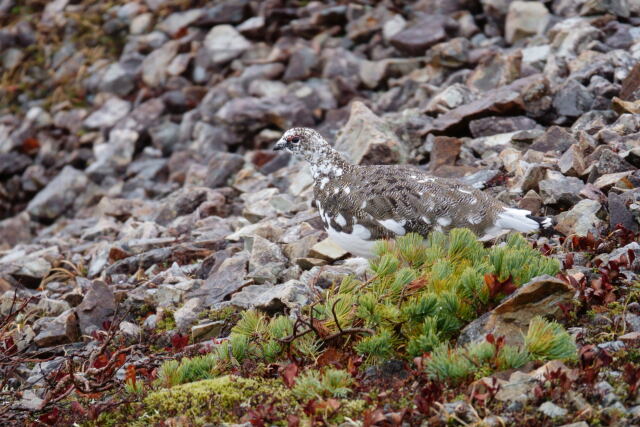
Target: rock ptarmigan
column 361, row 204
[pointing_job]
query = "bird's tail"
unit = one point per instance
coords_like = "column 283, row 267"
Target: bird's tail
column 522, row 220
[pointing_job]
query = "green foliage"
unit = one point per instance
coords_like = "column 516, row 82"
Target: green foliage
column 331, row 383
column 172, row 372
column 544, row 341
column 422, row 293
column 549, row 340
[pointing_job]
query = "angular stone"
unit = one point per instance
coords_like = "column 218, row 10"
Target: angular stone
column 572, row 99
column 272, row 299
column 488, row 126
column 451, row 97
column 226, row 280
column 619, row 213
column 98, row 305
column 611, row 179
column 540, row 296
column 301, row 64
column 367, row 139
column 266, row 261
column 14, row 230
column 495, row 70
column 130, row 330
column 112, row 111
column 118, row 79
column 616, row 7
column 580, row 219
column 418, row 37
column 496, row 101
column 59, row 195
column 60, row 330
column 525, row 19
column 186, row 315
column 224, row 43
column 552, row 410
column 572, row 161
column 445, row 151
column 154, row 66
column 207, row 330
column 557, row 188
column 555, row 138
column 175, row 22
column 327, row 250
column 630, row 90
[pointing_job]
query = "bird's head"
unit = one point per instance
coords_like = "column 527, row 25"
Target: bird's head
column 302, row 141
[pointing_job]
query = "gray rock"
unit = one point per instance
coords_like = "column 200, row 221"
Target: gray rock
column 252, row 27
column 327, row 250
column 30, row 401
column 175, row 22
column 59, row 195
column 130, row 330
column 552, row 410
column 227, row 279
column 367, row 139
column 266, row 261
column 612, row 346
column 554, row 138
column 164, row 136
column 14, row 230
column 273, row 298
column 633, row 320
column 301, row 64
column 538, row 297
column 426, row 32
column 154, row 66
column 572, row 99
column 572, row 161
column 206, row 330
column 615, row 7
column 113, row 157
column 496, row 125
column 186, row 315
column 557, row 188
column 580, row 219
column 525, row 19
column 112, row 111
column 225, row 12
column 224, row 43
column 619, row 213
column 98, row 305
column 60, row 330
column 451, row 97
column 118, row 79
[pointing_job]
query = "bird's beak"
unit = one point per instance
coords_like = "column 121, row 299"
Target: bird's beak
column 280, row 145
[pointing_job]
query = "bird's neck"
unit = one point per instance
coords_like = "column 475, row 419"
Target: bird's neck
column 328, row 163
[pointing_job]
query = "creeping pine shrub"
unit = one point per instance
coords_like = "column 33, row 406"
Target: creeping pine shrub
column 544, row 341
column 331, row 382
column 422, row 293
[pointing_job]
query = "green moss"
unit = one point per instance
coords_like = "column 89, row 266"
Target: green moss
column 214, row 400
column 167, row 322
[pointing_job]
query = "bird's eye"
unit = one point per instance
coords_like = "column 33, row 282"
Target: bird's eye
column 295, row 139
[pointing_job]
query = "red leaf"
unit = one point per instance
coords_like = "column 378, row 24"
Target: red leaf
column 30, row 145
column 179, row 341
column 371, row 418
column 101, row 361
column 78, row 408
column 130, row 375
column 289, row 374
column 293, row 420
column 50, row 418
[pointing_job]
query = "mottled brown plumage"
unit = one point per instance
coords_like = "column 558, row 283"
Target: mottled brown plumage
column 361, row 204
